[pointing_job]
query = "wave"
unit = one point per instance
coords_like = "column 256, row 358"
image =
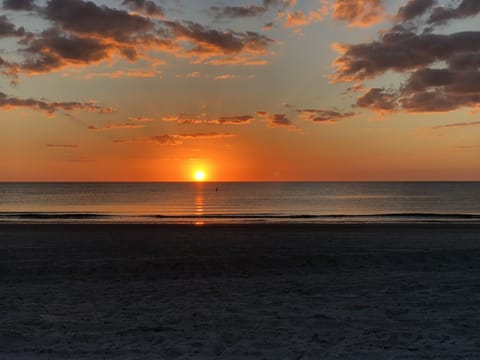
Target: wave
column 237, row 217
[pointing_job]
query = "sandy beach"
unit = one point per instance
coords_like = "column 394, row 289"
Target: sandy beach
column 366, row 291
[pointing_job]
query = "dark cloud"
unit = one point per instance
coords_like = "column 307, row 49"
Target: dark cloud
column 18, row 5
column 438, row 101
column 443, row 70
column 244, row 11
column 8, row 29
column 237, row 11
column 359, row 12
column 378, row 100
column 84, row 33
column 400, row 50
column 323, row 116
column 85, row 17
column 145, row 7
column 414, row 8
column 209, row 41
column 443, row 14
column 50, row 107
column 276, row 120
column 52, row 50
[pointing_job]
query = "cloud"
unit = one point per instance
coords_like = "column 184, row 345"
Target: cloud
column 82, row 33
column 456, row 125
column 225, row 77
column 299, row 18
column 140, row 119
column 131, row 123
column 231, row 12
column 413, row 9
column 359, row 12
column 175, row 139
column 50, row 107
column 323, row 116
column 144, row 74
column 378, row 100
column 145, row 7
column 202, row 119
column 443, row 14
column 210, row 42
column 62, row 146
column 83, row 17
column 8, row 29
column 277, row 120
column 26, row 5
column 442, row 70
column 127, row 125
column 237, row 11
column 52, row 50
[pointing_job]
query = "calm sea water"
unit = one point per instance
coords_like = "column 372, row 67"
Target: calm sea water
column 240, row 202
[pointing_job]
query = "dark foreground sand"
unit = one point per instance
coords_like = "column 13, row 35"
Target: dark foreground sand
column 240, row 292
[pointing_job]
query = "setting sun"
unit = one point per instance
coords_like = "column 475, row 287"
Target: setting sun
column 199, row 175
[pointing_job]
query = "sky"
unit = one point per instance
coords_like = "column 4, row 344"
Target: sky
column 247, row 90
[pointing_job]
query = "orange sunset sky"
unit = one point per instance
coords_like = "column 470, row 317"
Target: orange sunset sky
column 247, row 90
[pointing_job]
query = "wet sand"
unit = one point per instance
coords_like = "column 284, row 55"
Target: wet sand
column 378, row 291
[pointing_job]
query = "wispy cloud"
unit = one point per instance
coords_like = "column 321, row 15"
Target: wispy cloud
column 323, row 115
column 62, row 146
column 123, row 74
column 456, row 125
column 50, row 107
column 277, row 120
column 174, row 139
column 203, row 119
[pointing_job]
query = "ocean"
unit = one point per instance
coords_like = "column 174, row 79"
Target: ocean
column 245, row 202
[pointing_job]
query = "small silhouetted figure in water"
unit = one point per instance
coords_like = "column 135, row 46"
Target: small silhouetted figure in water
column 216, row 189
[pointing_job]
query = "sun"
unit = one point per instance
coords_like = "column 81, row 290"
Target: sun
column 199, row 175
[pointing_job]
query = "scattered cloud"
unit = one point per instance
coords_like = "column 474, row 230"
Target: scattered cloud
column 245, row 11
column 378, row 100
column 237, row 11
column 50, row 107
column 131, row 123
column 456, row 125
column 118, row 126
column 443, row 14
column 202, row 119
column 323, row 116
column 175, row 139
column 413, row 9
column 225, row 77
column 140, row 119
column 144, row 74
column 277, row 120
column 8, row 29
column 62, row 146
column 145, row 7
column 359, row 12
column 82, row 33
column 26, row 5
column 212, row 43
column 442, row 69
